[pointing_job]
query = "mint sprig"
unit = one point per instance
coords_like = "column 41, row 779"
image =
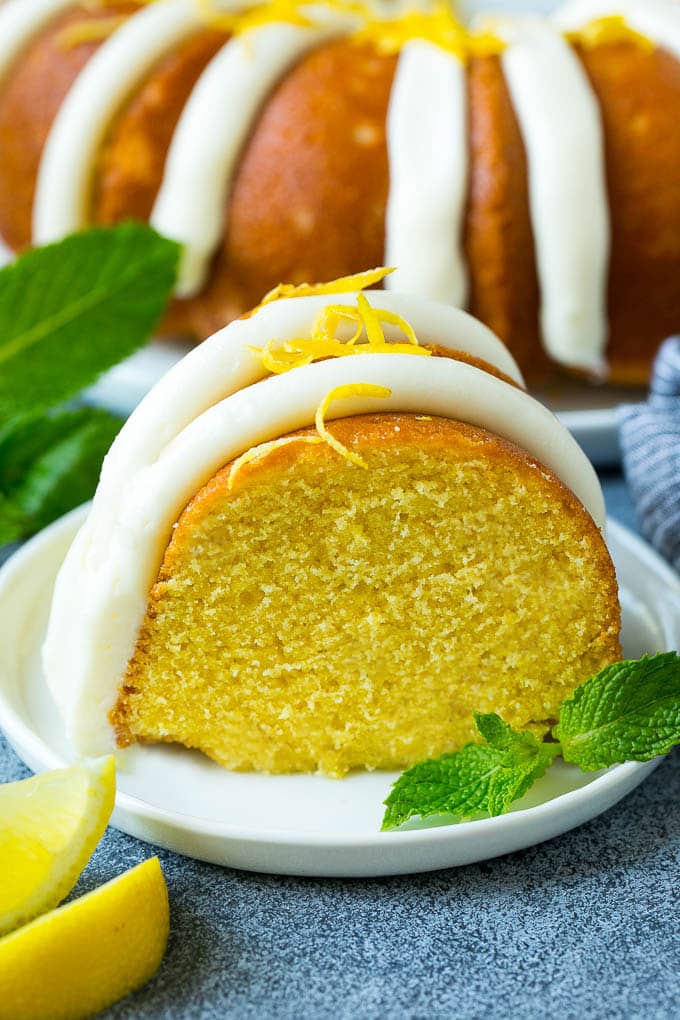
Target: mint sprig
column 629, row 711
column 68, row 313
column 480, row 779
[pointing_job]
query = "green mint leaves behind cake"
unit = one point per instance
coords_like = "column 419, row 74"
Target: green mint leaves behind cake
column 629, row 711
column 68, row 313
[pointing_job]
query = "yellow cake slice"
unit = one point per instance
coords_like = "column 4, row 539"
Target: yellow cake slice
column 332, row 565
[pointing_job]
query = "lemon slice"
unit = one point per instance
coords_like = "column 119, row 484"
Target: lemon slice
column 88, row 954
column 49, row 827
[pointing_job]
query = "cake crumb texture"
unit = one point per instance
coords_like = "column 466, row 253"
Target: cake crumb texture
column 321, row 617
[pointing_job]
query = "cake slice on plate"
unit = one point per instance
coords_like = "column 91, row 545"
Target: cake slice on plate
column 325, row 538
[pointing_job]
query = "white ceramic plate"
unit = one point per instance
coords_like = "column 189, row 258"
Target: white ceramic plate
column 589, row 412
column 303, row 825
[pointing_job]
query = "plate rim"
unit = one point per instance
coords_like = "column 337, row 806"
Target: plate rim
column 20, row 735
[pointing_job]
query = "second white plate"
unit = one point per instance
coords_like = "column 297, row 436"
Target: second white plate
column 301, row 824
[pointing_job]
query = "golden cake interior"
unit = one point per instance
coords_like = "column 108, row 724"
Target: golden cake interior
column 311, row 615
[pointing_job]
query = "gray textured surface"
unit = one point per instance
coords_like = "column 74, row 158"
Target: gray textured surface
column 584, row 926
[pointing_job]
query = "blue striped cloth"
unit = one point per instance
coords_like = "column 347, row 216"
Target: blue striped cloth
column 650, row 441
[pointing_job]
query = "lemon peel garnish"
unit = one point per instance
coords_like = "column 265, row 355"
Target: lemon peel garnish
column 341, row 393
column 238, row 22
column 436, row 24
column 343, row 285
column 484, row 43
column 374, row 333
column 367, row 337
column 83, row 957
column 608, row 29
column 332, row 318
column 49, row 827
column 81, row 32
column 263, row 450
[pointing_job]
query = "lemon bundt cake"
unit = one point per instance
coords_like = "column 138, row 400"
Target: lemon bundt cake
column 528, row 173
column 289, row 593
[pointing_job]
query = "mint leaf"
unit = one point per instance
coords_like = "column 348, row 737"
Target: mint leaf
column 24, row 440
column 49, row 466
column 12, row 521
column 629, row 711
column 72, row 310
column 501, row 735
column 69, row 312
column 479, row 779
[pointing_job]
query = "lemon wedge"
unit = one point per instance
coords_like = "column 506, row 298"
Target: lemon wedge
column 49, row 827
column 84, row 956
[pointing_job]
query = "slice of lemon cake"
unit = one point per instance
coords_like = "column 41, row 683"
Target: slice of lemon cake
column 288, row 592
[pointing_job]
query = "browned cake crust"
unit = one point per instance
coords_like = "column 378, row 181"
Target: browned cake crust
column 378, row 430
column 309, row 198
column 469, row 359
column 639, row 94
column 498, row 238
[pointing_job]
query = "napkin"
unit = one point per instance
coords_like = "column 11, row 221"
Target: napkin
column 650, row 442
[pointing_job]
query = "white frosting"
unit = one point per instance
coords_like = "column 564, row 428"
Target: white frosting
column 21, row 21
column 560, row 124
column 659, row 20
column 101, row 592
column 106, row 81
column 428, row 156
column 223, row 364
column 217, row 120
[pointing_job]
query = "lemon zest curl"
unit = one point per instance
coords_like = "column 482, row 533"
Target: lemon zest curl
column 82, row 32
column 236, row 23
column 343, row 285
column 436, row 23
column 610, row 29
column 257, row 453
column 367, row 337
column 342, row 393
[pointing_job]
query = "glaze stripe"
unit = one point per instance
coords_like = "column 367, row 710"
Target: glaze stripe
column 427, row 148
column 560, row 123
column 428, row 161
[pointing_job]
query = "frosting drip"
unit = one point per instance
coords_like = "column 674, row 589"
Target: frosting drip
column 560, row 124
column 226, row 363
column 427, row 148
